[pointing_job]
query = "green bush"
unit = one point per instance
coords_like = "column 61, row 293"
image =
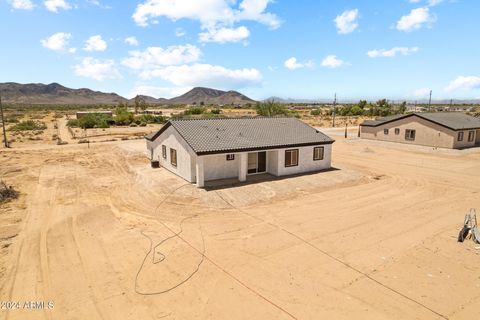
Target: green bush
column 28, row 125
column 271, row 109
column 316, row 112
column 93, row 120
column 123, row 116
column 215, row 111
column 149, row 118
column 195, row 110
column 73, row 123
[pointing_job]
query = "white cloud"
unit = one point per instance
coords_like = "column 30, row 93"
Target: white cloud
column 255, row 10
column 54, row 5
column 392, row 52
column 331, row 61
column 433, row 3
column 205, row 75
column 212, row 14
column 422, row 92
column 131, row 41
column 415, row 19
column 21, row 4
column 158, row 92
column 98, row 4
column 95, row 43
column 57, row 41
column 96, row 69
column 179, row 32
column 292, row 64
column 153, row 57
column 224, row 35
column 464, row 82
column 347, row 21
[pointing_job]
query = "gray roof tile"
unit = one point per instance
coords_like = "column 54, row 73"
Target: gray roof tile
column 452, row 120
column 236, row 134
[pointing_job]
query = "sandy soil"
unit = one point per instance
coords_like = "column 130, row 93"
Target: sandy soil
column 103, row 236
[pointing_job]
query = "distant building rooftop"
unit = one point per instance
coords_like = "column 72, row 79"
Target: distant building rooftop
column 451, row 120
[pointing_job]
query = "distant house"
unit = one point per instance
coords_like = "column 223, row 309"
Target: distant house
column 81, row 114
column 452, row 130
column 200, row 150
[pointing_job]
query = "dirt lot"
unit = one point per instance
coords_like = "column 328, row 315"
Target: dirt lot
column 103, row 236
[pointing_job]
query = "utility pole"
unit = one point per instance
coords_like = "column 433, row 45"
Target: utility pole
column 430, row 101
column 334, row 109
column 3, row 124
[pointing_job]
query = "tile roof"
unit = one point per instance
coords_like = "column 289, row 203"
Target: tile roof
column 207, row 136
column 451, row 120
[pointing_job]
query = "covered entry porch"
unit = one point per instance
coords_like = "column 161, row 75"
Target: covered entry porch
column 235, row 166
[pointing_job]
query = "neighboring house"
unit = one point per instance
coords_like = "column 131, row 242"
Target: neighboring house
column 200, row 150
column 452, row 130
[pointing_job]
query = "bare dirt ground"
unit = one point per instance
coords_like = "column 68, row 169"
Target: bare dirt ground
column 103, row 236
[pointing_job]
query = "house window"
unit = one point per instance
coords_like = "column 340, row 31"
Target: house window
column 471, row 136
column 291, row 158
column 317, row 153
column 385, row 131
column 173, row 157
column 230, row 157
column 460, row 136
column 397, row 131
column 164, row 152
column 410, row 134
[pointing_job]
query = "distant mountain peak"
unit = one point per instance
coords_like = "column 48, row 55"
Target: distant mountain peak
column 55, row 94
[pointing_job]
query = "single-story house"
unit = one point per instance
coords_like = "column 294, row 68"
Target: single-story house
column 200, row 150
column 453, row 130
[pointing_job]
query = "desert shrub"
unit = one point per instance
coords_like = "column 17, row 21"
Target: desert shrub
column 143, row 124
column 94, row 120
column 315, row 112
column 133, row 124
column 83, row 141
column 271, row 109
column 195, row 110
column 150, row 118
column 73, row 123
column 28, row 125
column 61, row 142
column 122, row 116
column 215, row 111
column 7, row 192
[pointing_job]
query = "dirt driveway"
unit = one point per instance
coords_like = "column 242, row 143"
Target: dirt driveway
column 101, row 235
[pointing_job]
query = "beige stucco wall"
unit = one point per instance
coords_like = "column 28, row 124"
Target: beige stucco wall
column 217, row 167
column 305, row 160
column 464, row 143
column 426, row 133
column 185, row 156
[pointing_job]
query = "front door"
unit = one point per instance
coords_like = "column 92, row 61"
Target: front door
column 257, row 162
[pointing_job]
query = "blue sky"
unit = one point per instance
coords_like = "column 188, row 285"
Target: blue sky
column 298, row 49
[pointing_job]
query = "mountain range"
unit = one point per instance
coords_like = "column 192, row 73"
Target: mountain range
column 55, row 94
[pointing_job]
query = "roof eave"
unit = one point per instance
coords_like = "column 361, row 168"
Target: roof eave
column 204, row 153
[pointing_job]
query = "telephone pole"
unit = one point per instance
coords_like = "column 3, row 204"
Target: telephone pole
column 3, row 124
column 430, row 101
column 334, row 109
